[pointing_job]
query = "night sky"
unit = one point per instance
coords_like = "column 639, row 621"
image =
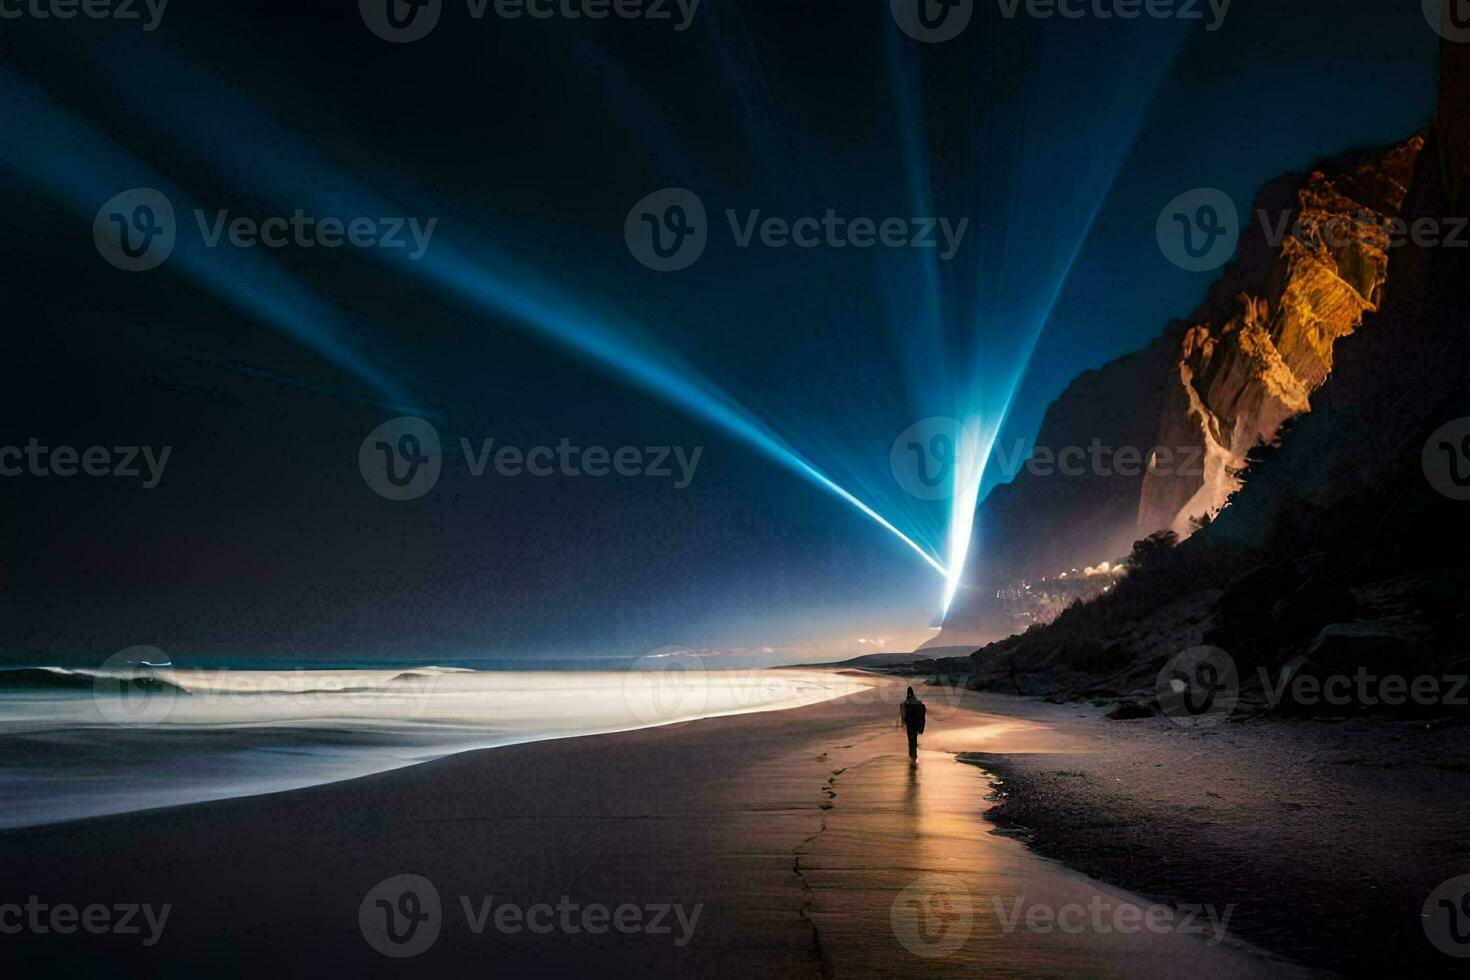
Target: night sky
column 529, row 321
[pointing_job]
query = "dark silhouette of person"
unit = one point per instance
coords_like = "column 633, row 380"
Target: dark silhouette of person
column 911, row 714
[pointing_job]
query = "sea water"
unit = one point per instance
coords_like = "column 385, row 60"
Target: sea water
column 82, row 743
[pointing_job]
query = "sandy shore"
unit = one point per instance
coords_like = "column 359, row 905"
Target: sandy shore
column 792, row 843
column 1328, row 837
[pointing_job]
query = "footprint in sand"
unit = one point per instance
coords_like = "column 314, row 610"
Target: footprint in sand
column 828, row 791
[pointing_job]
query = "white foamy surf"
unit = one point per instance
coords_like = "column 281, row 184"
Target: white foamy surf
column 86, row 743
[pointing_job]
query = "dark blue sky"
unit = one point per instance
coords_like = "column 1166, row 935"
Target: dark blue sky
column 530, row 141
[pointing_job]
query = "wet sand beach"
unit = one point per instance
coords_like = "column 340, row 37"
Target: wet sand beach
column 789, row 843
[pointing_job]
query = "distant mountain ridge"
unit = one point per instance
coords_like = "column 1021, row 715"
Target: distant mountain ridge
column 866, row 661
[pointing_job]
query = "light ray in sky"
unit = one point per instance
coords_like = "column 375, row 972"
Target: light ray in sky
column 492, row 283
column 86, row 169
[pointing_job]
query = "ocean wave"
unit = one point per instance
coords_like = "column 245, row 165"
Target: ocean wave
column 431, row 672
column 31, row 679
column 231, row 682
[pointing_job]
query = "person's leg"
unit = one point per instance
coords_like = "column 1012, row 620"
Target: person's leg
column 913, row 744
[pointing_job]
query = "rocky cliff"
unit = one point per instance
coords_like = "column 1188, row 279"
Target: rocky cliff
column 1242, row 371
column 1341, row 559
column 1344, row 551
column 1312, row 261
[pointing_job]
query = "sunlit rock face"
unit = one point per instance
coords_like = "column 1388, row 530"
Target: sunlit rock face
column 1312, row 261
column 1347, row 482
column 1309, row 268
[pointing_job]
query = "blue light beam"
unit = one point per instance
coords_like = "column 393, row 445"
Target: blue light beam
column 488, row 281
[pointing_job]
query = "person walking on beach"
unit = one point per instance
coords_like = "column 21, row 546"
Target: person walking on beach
column 911, row 714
